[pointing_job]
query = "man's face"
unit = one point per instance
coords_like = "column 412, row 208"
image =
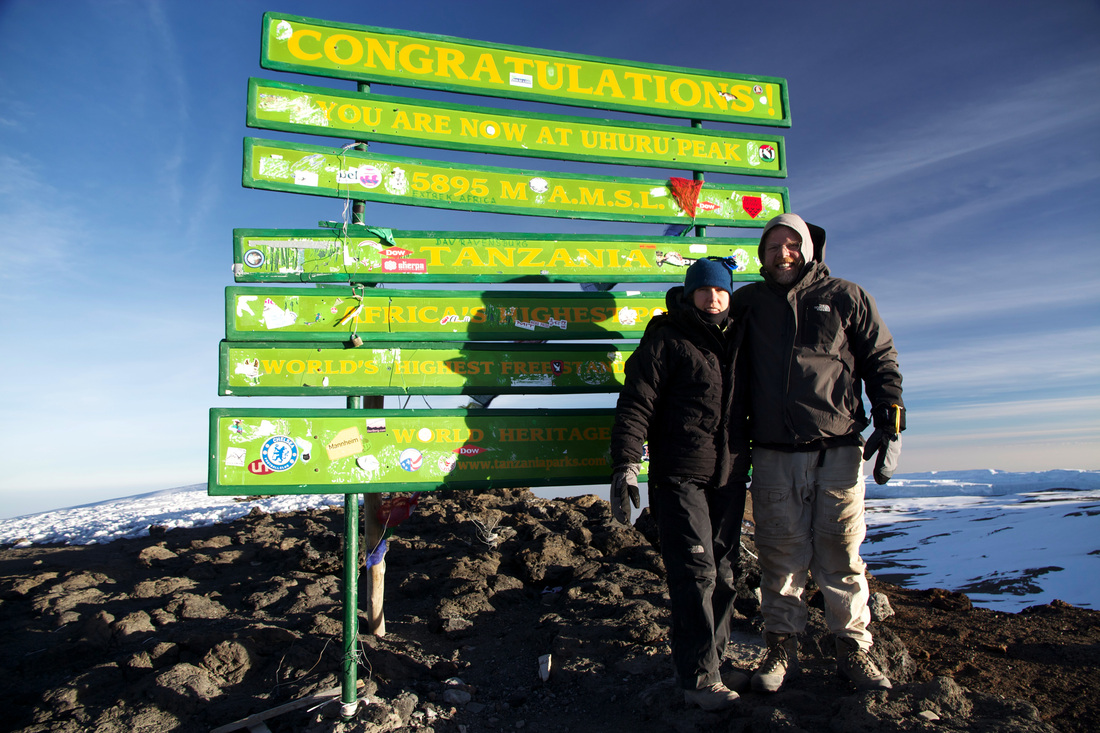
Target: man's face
column 711, row 300
column 783, row 254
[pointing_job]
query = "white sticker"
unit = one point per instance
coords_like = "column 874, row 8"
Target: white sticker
column 539, row 185
column 348, row 177
column 305, row 178
column 369, row 176
column 628, row 316
column 276, row 317
column 521, row 80
column 283, row 31
column 248, row 368
column 235, row 457
column 424, row 434
column 699, row 249
column 243, row 305
column 305, row 448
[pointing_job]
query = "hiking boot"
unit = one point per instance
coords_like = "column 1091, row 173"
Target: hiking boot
column 712, row 698
column 781, row 660
column 855, row 665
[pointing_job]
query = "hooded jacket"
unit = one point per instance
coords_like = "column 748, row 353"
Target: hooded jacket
column 813, row 348
column 682, row 395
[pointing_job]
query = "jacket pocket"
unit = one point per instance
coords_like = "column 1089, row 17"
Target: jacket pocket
column 820, row 323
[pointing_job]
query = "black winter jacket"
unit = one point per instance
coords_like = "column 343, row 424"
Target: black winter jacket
column 812, row 349
column 682, row 394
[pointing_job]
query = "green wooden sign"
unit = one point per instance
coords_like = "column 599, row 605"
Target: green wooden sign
column 319, row 171
column 302, row 451
column 337, row 313
column 266, row 368
column 327, row 255
column 404, row 58
column 334, row 113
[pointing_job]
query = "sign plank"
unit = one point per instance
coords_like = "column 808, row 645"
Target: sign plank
column 327, row 255
column 313, row 369
column 405, row 58
column 336, row 313
column 378, row 118
column 352, row 174
column 304, row 451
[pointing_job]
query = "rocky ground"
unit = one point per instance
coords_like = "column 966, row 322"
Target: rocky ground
column 189, row 630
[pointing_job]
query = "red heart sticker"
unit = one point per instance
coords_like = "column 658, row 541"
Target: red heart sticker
column 752, row 205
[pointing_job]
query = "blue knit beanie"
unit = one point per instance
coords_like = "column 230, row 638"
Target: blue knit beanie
column 707, row 274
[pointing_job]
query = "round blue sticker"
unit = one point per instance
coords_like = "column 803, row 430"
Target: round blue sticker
column 279, row 453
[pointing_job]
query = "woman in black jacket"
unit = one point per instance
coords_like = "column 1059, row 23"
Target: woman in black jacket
column 684, row 396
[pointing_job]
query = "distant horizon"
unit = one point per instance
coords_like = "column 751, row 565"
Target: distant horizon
column 557, row 491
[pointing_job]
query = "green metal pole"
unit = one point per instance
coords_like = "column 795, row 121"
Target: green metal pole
column 700, row 231
column 349, row 696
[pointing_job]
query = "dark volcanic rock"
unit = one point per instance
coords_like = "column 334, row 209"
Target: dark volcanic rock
column 192, row 629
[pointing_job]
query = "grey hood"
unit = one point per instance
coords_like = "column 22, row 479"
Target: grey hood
column 813, row 237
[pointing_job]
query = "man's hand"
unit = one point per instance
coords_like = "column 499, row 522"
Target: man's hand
column 624, row 490
column 885, row 440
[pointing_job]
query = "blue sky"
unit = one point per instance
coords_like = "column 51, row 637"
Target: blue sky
column 951, row 149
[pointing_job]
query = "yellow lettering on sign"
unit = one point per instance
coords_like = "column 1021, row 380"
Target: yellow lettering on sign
column 529, row 254
column 512, row 131
column 560, row 256
column 714, row 95
column 559, row 195
column 545, row 137
column 693, row 89
column 574, row 80
column 374, row 49
column 450, row 60
column 636, row 259
column 519, row 65
column 591, row 198
column 349, row 114
column 433, row 252
column 468, row 255
column 744, row 101
column 497, row 257
column 294, row 45
column 586, row 257
column 422, row 64
column 545, row 74
column 513, row 191
column 638, row 80
column 486, row 65
column 608, row 81
column 332, row 44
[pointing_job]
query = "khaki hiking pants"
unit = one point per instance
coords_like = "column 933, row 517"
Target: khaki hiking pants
column 808, row 510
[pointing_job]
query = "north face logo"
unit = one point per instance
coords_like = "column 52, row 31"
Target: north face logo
column 823, row 308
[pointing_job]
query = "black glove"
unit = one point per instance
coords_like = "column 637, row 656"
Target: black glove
column 885, row 440
column 624, row 490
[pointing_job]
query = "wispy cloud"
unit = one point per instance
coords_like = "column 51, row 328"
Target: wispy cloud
column 999, row 362
column 1033, row 112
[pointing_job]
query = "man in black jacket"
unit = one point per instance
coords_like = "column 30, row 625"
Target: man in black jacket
column 681, row 395
column 816, row 342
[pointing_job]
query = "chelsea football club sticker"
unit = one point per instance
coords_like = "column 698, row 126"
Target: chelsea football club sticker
column 279, row 453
